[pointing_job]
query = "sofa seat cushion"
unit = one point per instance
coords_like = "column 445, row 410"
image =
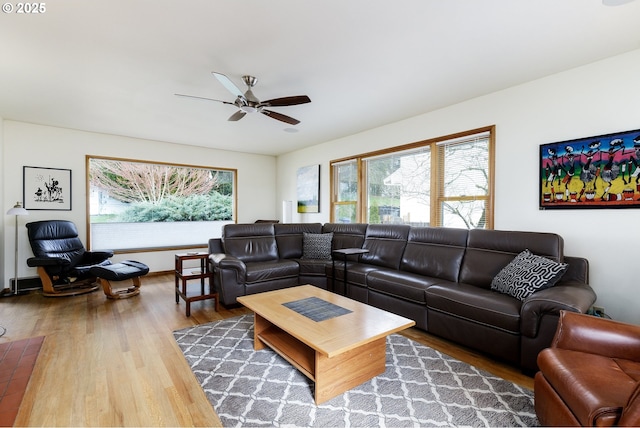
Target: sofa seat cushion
column 402, row 285
column 594, row 387
column 356, row 272
column 476, row 304
column 313, row 266
column 269, row 270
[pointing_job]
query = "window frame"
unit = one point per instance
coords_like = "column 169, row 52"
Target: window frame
column 88, row 159
column 437, row 191
column 335, row 203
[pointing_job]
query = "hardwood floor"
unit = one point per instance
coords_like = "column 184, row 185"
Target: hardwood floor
column 115, row 363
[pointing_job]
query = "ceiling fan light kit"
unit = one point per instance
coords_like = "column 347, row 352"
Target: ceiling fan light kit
column 247, row 102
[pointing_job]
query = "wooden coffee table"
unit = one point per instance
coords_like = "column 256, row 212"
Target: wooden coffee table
column 338, row 353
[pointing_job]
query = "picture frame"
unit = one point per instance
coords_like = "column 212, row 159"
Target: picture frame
column 602, row 171
column 308, row 189
column 46, row 188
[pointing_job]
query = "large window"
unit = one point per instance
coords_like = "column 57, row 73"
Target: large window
column 464, row 190
column 446, row 181
column 345, row 204
column 135, row 205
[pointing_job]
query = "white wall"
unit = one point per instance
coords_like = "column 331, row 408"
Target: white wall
column 596, row 99
column 3, row 284
column 26, row 144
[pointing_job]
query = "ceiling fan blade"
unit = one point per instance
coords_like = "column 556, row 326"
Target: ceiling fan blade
column 281, row 117
column 227, row 83
column 287, row 101
column 203, row 98
column 236, row 116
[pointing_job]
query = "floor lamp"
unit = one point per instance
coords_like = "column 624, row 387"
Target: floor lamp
column 17, row 210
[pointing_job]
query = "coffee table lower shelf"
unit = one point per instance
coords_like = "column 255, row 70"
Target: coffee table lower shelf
column 332, row 375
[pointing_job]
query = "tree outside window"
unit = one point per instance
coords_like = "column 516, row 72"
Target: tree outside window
column 441, row 182
column 126, row 196
column 345, row 204
column 463, row 200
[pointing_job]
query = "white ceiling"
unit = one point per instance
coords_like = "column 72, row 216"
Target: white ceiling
column 113, row 66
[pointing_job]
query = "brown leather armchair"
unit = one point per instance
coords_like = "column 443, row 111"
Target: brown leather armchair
column 590, row 376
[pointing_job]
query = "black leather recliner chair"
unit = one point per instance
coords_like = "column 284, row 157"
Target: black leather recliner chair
column 63, row 263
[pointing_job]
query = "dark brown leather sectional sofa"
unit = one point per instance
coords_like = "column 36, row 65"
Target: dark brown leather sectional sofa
column 439, row 277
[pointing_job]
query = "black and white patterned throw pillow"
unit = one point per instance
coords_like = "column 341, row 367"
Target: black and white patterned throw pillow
column 526, row 274
column 316, row 245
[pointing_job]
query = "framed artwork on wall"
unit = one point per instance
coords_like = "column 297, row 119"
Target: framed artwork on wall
column 46, row 188
column 308, row 189
column 594, row 172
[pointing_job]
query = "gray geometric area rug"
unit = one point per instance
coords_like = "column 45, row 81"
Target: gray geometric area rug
column 420, row 387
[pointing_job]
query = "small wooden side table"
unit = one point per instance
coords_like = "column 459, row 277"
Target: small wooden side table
column 184, row 274
column 343, row 254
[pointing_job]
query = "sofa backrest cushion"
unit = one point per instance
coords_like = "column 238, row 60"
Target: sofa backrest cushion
column 386, row 243
column 289, row 238
column 578, row 269
column 255, row 242
column 346, row 235
column 488, row 251
column 435, row 251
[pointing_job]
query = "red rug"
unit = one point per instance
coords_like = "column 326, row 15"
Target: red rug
column 17, row 360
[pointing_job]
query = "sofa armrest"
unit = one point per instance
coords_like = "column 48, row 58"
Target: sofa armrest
column 565, row 295
column 601, row 336
column 223, row 261
column 578, row 270
column 229, row 277
column 93, row 257
column 47, row 261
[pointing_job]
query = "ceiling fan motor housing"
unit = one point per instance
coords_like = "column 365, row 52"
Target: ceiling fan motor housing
column 250, row 81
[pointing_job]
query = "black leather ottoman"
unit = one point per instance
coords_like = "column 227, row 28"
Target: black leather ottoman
column 128, row 269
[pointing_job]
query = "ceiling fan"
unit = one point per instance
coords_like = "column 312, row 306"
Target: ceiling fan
column 249, row 103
